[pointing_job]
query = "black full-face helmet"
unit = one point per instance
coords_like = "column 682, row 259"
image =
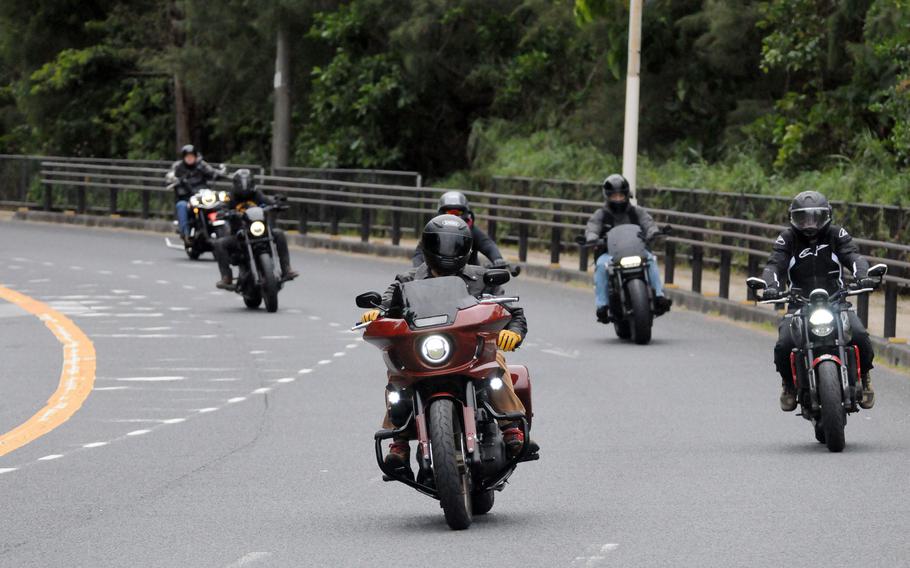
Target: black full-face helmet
column 455, row 203
column 810, row 213
column 446, row 244
column 244, row 185
column 617, row 193
column 189, row 150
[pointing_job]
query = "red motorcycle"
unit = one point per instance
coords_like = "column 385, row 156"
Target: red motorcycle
column 440, row 351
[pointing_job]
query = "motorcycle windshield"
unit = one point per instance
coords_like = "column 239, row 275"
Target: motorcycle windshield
column 255, row 214
column 434, row 301
column 625, row 240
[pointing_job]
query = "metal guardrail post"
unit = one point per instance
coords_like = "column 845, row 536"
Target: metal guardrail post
column 48, row 196
column 556, row 236
column 890, row 309
column 670, row 262
column 862, row 308
column 302, row 226
column 523, row 241
column 81, row 204
column 396, row 224
column 365, row 225
column 112, row 201
column 333, row 224
column 146, row 197
column 697, row 265
column 724, row 288
column 583, row 258
column 491, row 223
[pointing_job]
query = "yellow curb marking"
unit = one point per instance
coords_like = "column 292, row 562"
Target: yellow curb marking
column 77, row 376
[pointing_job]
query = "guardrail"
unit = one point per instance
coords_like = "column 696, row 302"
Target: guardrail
column 551, row 223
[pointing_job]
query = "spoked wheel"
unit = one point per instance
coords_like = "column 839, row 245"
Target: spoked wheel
column 642, row 318
column 453, row 478
column 481, row 503
column 834, row 416
column 269, row 282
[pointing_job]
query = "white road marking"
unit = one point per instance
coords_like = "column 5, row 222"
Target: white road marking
column 351, row 345
column 162, row 282
column 258, row 352
column 105, row 272
column 236, row 399
column 315, row 318
column 225, row 380
column 179, row 309
column 262, row 390
column 334, row 324
column 7, row 469
column 109, row 388
column 142, row 315
column 39, row 280
column 138, row 432
column 132, row 276
column 150, row 379
column 324, row 362
column 51, row 457
column 94, row 445
column 304, row 371
column 206, row 410
column 248, row 559
column 277, row 337
column 339, row 354
column 173, row 421
column 76, row 268
column 563, row 353
column 286, row 380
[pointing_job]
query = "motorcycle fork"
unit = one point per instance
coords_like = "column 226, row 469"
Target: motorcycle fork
column 273, row 247
column 846, row 390
column 254, row 270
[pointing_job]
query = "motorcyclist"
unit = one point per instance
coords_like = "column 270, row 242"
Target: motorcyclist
column 456, row 203
column 618, row 210
column 810, row 254
column 244, row 194
column 191, row 173
column 447, row 245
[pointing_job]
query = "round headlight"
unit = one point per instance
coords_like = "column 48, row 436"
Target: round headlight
column 208, row 197
column 222, row 196
column 435, row 349
column 194, row 201
column 821, row 322
column 257, row 228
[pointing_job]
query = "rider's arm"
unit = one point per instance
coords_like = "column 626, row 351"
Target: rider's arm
column 417, row 259
column 485, row 245
column 595, row 227
column 849, row 254
column 646, row 222
column 208, row 171
column 262, row 199
column 775, row 271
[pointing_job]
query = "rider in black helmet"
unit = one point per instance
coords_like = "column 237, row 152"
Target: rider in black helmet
column 812, row 253
column 191, row 173
column 618, row 210
column 244, row 194
column 447, row 245
column 455, row 203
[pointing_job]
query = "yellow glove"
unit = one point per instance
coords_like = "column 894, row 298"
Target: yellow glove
column 508, row 340
column 369, row 316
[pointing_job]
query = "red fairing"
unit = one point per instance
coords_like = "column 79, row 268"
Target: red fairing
column 522, row 381
column 821, row 358
column 859, row 370
column 793, row 368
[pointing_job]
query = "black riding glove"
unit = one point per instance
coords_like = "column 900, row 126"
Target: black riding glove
column 771, row 294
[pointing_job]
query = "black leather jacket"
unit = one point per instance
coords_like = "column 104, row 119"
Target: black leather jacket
column 191, row 179
column 814, row 264
column 472, row 276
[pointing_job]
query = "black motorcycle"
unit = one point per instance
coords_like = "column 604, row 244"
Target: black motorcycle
column 257, row 256
column 631, row 291
column 825, row 366
column 205, row 226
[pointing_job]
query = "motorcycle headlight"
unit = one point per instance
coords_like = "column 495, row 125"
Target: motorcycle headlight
column 257, row 228
column 435, row 349
column 208, row 197
column 222, row 196
column 194, row 201
column 630, row 261
column 821, row 322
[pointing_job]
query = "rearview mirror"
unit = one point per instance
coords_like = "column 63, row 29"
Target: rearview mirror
column 369, row 300
column 756, row 283
column 878, row 271
column 496, row 277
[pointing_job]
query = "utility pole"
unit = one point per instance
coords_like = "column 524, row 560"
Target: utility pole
column 633, row 87
column 281, row 121
column 181, row 100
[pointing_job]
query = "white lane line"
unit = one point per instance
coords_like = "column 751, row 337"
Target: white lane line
column 162, row 282
column 179, row 309
column 304, row 371
column 94, row 444
column 223, row 380
column 51, row 457
column 39, row 280
column 140, row 315
column 7, row 469
column 277, row 337
column 150, row 379
column 173, row 421
column 188, row 287
column 324, row 362
column 248, row 559
column 110, row 388
column 258, row 352
column 315, row 318
column 236, row 399
column 334, row 324
column 339, row 354
column 206, row 410
column 76, row 268
column 262, row 390
column 105, row 272
column 351, row 345
column 286, row 380
column 138, row 432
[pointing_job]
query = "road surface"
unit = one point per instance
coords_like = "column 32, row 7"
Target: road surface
column 215, row 436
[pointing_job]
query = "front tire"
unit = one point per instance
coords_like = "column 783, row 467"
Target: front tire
column 834, row 416
column 642, row 318
column 453, row 479
column 481, row 503
column 269, row 282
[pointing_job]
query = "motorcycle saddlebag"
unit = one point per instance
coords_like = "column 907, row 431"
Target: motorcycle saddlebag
column 521, row 380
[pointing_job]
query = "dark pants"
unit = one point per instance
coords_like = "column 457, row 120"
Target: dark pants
column 785, row 345
column 227, row 247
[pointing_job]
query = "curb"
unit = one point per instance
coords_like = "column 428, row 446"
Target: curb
column 892, row 353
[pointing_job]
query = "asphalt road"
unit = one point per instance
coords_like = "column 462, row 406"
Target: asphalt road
column 217, row 437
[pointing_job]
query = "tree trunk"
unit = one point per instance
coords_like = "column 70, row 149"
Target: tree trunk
column 181, row 112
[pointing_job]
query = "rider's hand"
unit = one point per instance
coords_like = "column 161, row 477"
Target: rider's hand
column 500, row 263
column 508, row 340
column 771, row 294
column 868, row 283
column 369, row 316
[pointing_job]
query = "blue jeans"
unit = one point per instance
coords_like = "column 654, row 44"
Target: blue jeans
column 602, row 282
column 183, row 217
